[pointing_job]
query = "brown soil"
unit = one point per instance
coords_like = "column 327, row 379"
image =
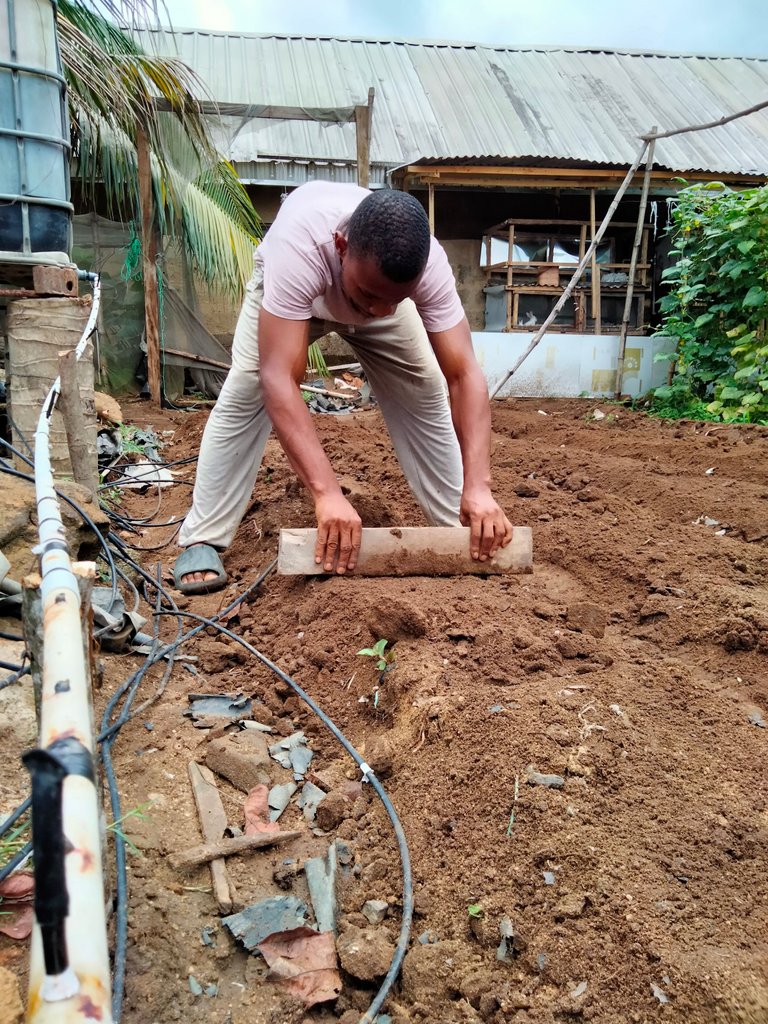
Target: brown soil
column 632, row 663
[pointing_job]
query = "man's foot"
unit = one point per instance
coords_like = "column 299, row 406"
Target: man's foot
column 198, row 570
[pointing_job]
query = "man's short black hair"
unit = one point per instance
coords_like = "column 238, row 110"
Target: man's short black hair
column 392, row 228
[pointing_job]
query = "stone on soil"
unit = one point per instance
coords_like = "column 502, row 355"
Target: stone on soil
column 365, row 953
column 242, row 758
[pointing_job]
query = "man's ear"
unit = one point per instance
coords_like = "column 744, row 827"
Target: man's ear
column 342, row 245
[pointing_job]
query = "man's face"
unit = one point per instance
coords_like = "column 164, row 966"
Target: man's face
column 364, row 286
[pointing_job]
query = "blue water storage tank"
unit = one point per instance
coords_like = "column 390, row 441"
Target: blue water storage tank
column 35, row 207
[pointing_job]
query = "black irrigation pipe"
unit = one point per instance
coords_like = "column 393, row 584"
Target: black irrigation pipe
column 12, row 818
column 10, row 666
column 15, row 862
column 14, row 677
column 10, row 636
column 368, row 776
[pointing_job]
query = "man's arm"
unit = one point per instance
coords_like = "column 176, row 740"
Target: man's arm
column 283, row 358
column 489, row 527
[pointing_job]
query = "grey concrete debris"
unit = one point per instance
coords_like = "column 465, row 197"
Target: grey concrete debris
column 276, row 914
column 321, row 879
column 374, row 911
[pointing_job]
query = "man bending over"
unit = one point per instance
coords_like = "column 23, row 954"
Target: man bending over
column 340, row 258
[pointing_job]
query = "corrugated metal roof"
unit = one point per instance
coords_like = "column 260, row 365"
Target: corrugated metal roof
column 472, row 102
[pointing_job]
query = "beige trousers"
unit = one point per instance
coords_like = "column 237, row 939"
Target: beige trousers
column 400, row 364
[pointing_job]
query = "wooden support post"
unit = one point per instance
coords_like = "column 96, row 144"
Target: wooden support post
column 71, row 403
column 511, row 297
column 633, row 266
column 149, row 267
column 595, row 289
column 431, row 207
column 363, row 122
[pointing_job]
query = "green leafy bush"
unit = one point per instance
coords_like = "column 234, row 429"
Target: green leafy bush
column 718, row 306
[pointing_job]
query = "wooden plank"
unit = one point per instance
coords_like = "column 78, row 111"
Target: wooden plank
column 213, row 822
column 409, row 551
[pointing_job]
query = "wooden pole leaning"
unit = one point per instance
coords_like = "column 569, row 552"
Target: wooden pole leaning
column 633, row 266
column 578, row 272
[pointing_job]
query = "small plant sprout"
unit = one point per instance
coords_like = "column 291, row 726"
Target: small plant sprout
column 385, row 662
column 476, row 910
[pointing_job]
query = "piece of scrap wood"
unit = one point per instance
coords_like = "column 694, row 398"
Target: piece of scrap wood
column 207, row 852
column 410, row 551
column 213, row 822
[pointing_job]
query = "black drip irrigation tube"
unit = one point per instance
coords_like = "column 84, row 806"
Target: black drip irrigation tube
column 368, row 776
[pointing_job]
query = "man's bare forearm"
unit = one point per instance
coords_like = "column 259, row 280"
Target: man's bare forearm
column 296, row 433
column 472, row 422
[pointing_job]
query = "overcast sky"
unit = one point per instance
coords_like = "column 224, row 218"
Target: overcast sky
column 684, row 26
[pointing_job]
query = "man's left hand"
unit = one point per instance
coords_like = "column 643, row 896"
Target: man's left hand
column 489, row 527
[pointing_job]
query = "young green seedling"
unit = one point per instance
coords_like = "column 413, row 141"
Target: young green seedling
column 385, row 662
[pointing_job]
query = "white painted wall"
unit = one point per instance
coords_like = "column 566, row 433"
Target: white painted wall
column 570, row 365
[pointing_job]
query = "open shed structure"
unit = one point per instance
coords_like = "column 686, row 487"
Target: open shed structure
column 516, row 153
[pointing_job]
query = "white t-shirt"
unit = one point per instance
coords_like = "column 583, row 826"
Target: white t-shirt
column 302, row 268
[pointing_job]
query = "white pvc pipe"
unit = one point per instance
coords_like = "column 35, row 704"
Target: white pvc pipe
column 82, row 993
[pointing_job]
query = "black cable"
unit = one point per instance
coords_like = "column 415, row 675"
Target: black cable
column 12, row 864
column 9, row 636
column 15, row 677
column 368, row 776
column 11, row 820
column 10, row 666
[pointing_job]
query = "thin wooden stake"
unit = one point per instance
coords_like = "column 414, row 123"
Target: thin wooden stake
column 633, row 266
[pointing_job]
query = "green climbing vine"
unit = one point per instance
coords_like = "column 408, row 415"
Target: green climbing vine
column 717, row 306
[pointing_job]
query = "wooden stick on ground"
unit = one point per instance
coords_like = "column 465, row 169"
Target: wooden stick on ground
column 213, row 821
column 207, row 852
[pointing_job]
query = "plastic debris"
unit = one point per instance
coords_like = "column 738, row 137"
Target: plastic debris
column 534, row 778
column 217, row 705
column 206, row 935
column 279, row 798
column 266, row 918
column 311, row 796
column 258, row 726
column 293, row 752
column 659, row 993
column 194, row 986
column 579, row 991
column 550, row 878
column 755, row 718
column 428, row 938
column 141, row 475
column 304, row 962
column 710, row 471
column 541, row 961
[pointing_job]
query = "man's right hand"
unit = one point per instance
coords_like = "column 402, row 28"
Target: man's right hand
column 339, row 530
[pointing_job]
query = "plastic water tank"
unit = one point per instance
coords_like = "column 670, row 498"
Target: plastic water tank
column 35, row 207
